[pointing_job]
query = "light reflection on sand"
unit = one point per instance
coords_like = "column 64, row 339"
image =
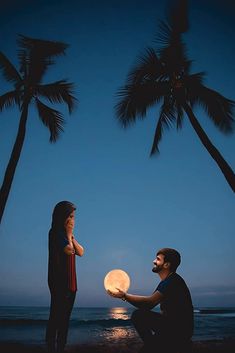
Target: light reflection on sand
column 115, row 333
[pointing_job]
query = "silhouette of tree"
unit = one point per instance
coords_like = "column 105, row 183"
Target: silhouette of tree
column 35, row 57
column 163, row 76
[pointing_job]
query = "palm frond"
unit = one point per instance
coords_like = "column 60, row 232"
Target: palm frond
column 178, row 16
column 219, row 108
column 157, row 137
column 51, row 118
column 164, row 35
column 170, row 30
column 180, row 116
column 8, row 70
column 168, row 112
column 8, row 100
column 134, row 100
column 37, row 68
column 36, row 55
column 58, row 92
column 148, row 67
column 192, row 84
column 165, row 121
column 33, row 66
column 45, row 48
column 24, row 63
column 172, row 50
column 194, row 79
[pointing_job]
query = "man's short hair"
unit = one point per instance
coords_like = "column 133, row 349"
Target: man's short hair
column 172, row 256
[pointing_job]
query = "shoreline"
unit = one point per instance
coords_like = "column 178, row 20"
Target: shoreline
column 226, row 345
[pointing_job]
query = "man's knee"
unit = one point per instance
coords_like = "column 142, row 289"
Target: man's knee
column 138, row 315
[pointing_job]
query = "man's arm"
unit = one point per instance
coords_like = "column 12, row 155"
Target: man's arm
column 139, row 301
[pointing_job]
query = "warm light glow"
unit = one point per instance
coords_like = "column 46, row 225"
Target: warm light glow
column 118, row 333
column 119, row 313
column 117, row 279
column 115, row 335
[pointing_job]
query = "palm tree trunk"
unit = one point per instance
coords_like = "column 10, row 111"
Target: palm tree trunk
column 15, row 155
column 215, row 154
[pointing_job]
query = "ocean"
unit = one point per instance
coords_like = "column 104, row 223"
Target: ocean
column 101, row 325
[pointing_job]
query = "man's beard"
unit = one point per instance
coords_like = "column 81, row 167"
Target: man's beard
column 157, row 268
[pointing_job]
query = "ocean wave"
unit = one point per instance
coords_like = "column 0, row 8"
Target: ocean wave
column 215, row 311
column 101, row 322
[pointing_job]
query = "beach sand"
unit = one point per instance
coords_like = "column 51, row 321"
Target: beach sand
column 133, row 346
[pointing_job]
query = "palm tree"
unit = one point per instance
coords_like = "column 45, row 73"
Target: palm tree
column 163, row 76
column 35, row 57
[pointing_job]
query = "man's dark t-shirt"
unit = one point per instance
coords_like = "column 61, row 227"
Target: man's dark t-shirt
column 176, row 305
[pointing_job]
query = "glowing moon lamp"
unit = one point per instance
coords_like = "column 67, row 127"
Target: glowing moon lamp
column 117, row 279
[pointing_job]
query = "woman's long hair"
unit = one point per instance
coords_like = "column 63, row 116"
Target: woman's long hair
column 60, row 213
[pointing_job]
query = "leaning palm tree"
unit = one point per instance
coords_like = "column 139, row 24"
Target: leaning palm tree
column 162, row 75
column 35, row 57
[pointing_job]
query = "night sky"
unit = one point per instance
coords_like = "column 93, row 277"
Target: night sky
column 129, row 205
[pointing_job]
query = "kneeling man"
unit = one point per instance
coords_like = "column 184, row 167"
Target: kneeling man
column 172, row 328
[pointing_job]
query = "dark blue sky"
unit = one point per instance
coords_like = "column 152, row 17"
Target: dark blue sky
column 128, row 204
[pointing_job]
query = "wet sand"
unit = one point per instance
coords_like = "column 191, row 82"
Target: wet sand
column 133, row 346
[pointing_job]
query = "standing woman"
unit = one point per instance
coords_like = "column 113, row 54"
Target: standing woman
column 62, row 279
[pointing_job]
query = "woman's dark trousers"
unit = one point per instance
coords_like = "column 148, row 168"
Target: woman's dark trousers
column 58, row 323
